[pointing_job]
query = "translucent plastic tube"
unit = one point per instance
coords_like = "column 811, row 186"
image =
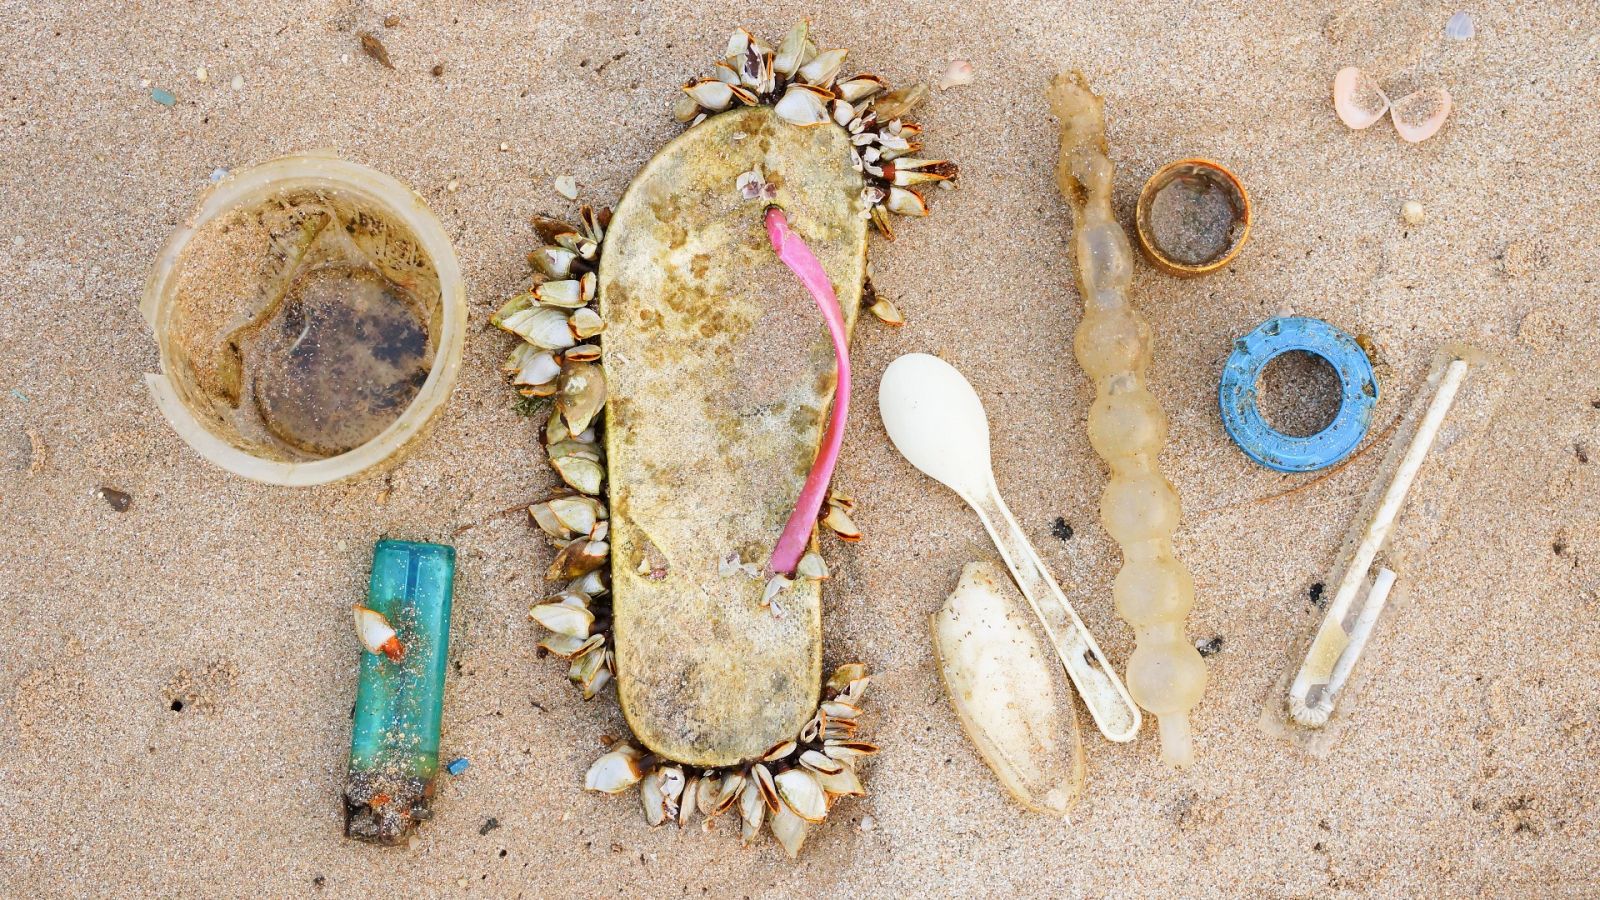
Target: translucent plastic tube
column 1128, row 429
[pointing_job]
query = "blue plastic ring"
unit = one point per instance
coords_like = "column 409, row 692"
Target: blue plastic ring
column 1274, row 449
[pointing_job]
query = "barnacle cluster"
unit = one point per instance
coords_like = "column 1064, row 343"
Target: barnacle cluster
column 788, row 789
column 558, row 358
column 803, row 86
column 1127, row 428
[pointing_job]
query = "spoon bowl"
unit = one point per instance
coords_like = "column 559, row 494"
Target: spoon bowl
column 936, row 421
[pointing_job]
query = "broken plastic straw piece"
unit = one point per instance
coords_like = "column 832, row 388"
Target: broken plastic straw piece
column 1377, row 598
column 803, row 263
column 394, row 741
column 1332, row 641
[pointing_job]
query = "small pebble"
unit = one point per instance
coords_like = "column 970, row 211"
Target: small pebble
column 1412, row 212
column 438, row 70
column 452, row 185
column 163, row 96
column 868, row 823
column 201, row 74
column 1460, row 27
column 373, row 47
column 117, row 500
column 567, row 186
column 505, row 146
column 457, row 766
column 238, row 82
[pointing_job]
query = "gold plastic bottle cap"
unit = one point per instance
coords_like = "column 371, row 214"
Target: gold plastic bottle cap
column 1193, row 217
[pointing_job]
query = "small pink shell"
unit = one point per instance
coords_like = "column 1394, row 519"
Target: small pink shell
column 1357, row 98
column 1419, row 116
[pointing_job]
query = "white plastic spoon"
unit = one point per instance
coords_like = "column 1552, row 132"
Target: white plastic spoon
column 936, row 421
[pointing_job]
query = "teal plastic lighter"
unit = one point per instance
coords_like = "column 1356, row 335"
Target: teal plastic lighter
column 394, row 743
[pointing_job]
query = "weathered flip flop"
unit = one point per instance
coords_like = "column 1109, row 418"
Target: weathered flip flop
column 711, row 421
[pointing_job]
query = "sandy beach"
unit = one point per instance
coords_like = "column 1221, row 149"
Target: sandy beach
column 176, row 679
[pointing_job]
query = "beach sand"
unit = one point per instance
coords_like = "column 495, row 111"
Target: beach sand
column 176, row 679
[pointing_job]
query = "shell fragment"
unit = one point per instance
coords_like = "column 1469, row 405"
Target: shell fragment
column 1004, row 688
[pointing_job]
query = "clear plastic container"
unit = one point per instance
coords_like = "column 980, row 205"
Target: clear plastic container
column 310, row 316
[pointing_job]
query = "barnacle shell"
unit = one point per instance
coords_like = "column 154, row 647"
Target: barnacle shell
column 720, row 377
column 1006, row 690
column 790, row 830
column 615, row 772
column 800, row 792
column 573, row 621
column 803, row 105
column 376, row 634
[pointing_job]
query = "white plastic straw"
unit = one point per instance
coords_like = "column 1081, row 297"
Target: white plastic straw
column 1373, row 539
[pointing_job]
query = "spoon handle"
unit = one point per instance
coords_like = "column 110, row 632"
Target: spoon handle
column 1102, row 691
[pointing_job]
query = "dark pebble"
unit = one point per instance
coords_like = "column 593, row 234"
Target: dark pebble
column 117, row 500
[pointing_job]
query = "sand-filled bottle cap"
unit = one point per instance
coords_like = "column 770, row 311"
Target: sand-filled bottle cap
column 1193, row 217
column 310, row 316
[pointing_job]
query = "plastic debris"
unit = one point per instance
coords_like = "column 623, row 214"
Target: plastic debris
column 1413, row 213
column 1237, row 396
column 567, row 186
column 997, row 675
column 1460, row 27
column 163, row 96
column 218, row 174
column 457, row 766
column 394, row 742
column 238, row 82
